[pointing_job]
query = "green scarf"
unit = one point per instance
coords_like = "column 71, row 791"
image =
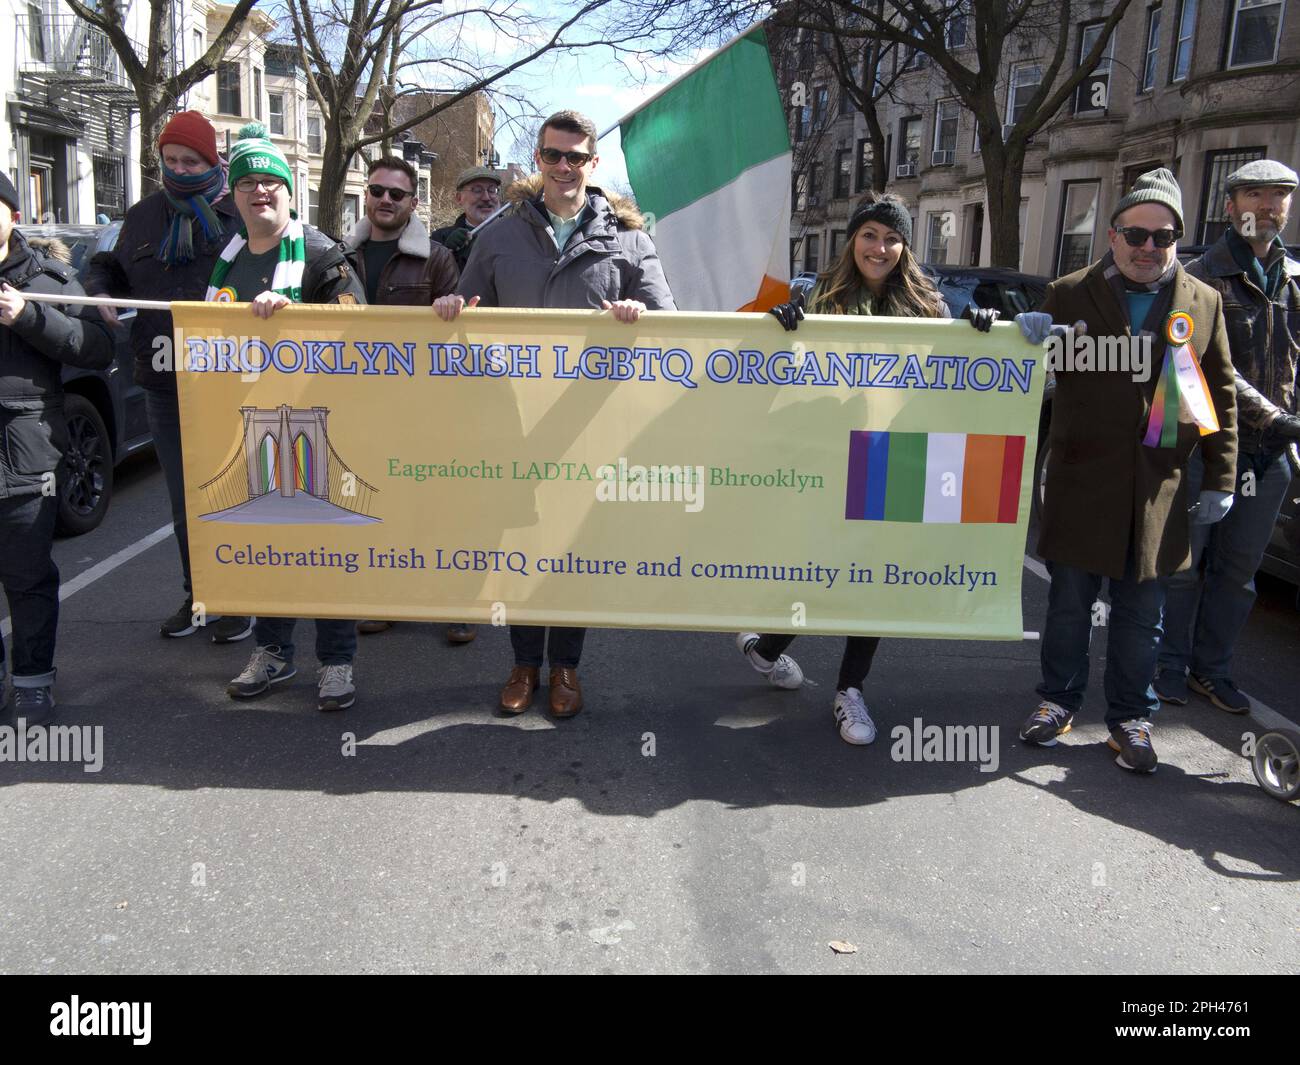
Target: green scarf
column 287, row 279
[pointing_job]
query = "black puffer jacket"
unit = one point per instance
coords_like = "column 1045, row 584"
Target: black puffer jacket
column 133, row 270
column 33, row 433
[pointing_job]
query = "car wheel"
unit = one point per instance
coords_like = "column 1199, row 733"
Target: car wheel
column 87, row 470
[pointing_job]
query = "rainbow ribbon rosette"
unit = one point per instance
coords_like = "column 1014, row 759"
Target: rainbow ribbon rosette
column 1182, row 387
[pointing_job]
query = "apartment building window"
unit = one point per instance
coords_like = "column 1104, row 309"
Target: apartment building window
column 228, row 89
column 846, row 102
column 837, row 246
column 915, row 59
column 1024, row 219
column 945, row 132
column 909, row 145
column 424, row 189
column 315, row 143
column 799, row 193
column 351, row 210
column 1182, row 57
column 843, row 172
column 36, row 31
column 1255, row 30
column 1093, row 94
column 814, row 184
column 257, row 93
column 794, row 255
column 198, row 44
column 1024, row 83
column 801, row 117
column 1218, row 165
column 1152, row 49
column 864, row 178
column 1078, row 225
column 275, row 102
column 937, row 233
column 821, row 104
column 1132, row 173
column 812, row 252
column 954, row 36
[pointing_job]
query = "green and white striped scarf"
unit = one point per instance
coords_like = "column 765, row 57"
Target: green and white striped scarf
column 287, row 279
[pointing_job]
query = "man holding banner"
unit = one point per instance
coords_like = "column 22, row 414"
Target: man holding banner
column 1115, row 506
column 275, row 261
column 564, row 244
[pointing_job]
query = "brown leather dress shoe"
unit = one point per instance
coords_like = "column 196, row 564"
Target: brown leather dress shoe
column 461, row 633
column 566, row 691
column 517, row 695
column 369, row 628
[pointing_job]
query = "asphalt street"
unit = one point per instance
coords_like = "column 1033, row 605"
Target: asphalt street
column 690, row 819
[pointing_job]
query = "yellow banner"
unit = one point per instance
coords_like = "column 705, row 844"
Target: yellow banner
column 691, row 471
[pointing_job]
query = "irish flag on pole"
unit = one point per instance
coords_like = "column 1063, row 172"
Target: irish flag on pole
column 710, row 158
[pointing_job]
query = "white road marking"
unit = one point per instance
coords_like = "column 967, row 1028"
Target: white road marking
column 1261, row 712
column 102, row 569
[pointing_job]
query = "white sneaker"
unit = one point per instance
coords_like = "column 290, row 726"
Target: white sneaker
column 336, row 689
column 851, row 715
column 783, row 673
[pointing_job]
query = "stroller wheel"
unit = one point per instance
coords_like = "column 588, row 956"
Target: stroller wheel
column 1277, row 763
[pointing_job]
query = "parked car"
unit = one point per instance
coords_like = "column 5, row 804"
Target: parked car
column 105, row 408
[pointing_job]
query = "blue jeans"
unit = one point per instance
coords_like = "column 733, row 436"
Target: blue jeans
column 564, row 645
column 31, row 584
column 1131, row 650
column 336, row 641
column 163, row 412
column 1205, row 613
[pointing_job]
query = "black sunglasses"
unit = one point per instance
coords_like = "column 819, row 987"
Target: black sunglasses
column 396, row 195
column 551, row 156
column 1137, row 236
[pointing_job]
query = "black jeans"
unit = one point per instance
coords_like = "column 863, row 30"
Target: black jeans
column 564, row 647
column 31, row 583
column 336, row 641
column 162, row 408
column 854, row 666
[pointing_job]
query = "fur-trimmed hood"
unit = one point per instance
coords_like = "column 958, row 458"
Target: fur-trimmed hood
column 625, row 211
column 413, row 241
column 51, row 248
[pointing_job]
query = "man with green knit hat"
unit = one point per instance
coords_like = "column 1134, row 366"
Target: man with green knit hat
column 1116, row 505
column 273, row 261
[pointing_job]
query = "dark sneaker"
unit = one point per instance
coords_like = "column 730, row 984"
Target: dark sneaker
column 336, row 691
column 1171, row 686
column 1047, row 724
column 265, row 668
column 34, row 705
column 231, row 629
column 1131, row 740
column 461, row 633
column 182, row 622
column 1221, row 692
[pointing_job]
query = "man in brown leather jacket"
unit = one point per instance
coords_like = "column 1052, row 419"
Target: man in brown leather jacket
column 400, row 266
column 1260, row 286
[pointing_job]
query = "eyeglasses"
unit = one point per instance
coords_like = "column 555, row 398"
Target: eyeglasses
column 551, row 156
column 250, row 184
column 396, row 195
column 1137, row 236
column 480, row 190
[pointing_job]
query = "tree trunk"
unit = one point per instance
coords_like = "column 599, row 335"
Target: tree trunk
column 152, row 119
column 333, row 180
column 1003, row 170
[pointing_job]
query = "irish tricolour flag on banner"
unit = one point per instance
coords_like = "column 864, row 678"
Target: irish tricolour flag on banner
column 710, row 158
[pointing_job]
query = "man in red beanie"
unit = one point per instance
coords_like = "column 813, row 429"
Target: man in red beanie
column 168, row 246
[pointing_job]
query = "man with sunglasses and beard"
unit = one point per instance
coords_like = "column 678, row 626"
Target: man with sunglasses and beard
column 563, row 244
column 1116, row 504
column 1260, row 286
column 400, row 266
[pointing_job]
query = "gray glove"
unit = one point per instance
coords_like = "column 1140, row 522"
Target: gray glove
column 1211, row 507
column 1035, row 326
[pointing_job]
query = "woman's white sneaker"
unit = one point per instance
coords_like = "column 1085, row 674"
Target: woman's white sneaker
column 851, row 715
column 783, row 673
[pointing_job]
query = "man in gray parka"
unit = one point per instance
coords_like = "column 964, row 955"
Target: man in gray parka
column 563, row 244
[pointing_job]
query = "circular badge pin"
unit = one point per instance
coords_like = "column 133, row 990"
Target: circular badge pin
column 1179, row 327
column 225, row 295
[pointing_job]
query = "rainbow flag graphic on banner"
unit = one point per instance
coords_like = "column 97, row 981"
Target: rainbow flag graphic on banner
column 946, row 478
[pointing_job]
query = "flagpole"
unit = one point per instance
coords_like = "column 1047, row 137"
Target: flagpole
column 680, row 77
column 96, row 301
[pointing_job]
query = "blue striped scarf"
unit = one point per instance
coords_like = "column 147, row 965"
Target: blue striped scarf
column 191, row 197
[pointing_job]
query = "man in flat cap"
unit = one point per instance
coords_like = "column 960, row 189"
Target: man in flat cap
column 478, row 194
column 1260, row 286
column 1116, row 503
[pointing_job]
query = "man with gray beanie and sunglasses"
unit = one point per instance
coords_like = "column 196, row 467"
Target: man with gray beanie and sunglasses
column 1116, row 503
